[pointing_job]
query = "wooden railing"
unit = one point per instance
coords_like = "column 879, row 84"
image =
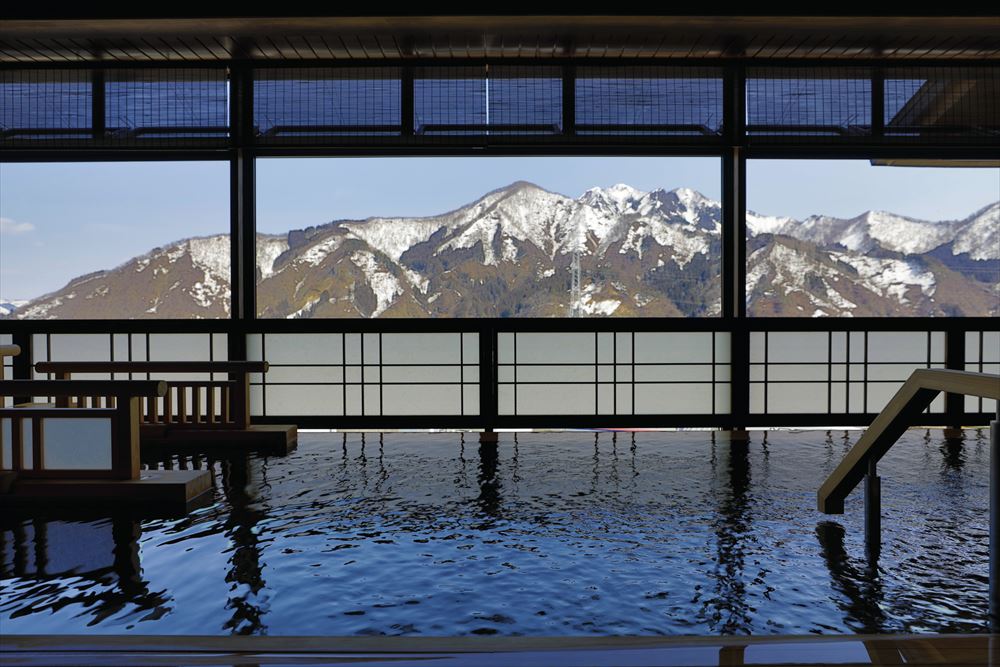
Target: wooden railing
column 27, row 423
column 187, row 404
column 901, row 412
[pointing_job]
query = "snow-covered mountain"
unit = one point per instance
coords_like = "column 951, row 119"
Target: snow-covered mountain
column 977, row 235
column 509, row 254
column 876, row 264
column 8, row 306
column 189, row 278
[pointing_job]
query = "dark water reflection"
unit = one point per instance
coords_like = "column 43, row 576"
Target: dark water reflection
column 541, row 534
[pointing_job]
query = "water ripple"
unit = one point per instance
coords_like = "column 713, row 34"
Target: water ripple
column 548, row 534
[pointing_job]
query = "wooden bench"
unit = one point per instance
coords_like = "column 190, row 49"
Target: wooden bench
column 193, row 412
column 24, row 442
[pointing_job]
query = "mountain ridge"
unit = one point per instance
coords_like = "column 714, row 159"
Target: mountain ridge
column 508, row 253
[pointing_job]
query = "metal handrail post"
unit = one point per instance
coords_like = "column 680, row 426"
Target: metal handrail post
column 995, row 522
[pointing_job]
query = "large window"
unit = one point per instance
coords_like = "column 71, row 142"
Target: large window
column 855, row 238
column 488, row 237
column 114, row 240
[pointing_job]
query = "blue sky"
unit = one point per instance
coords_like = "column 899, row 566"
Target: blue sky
column 60, row 221
column 303, row 192
column 75, row 218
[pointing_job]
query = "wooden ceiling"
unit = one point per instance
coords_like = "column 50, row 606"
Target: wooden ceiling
column 54, row 41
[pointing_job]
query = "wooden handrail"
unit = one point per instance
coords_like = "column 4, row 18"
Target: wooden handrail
column 226, row 404
column 83, row 388
column 121, row 406
column 151, row 366
column 900, row 412
column 10, row 350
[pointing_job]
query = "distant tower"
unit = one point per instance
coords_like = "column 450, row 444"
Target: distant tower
column 575, row 295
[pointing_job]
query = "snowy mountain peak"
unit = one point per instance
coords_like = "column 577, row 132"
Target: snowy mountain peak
column 692, row 198
column 980, row 234
column 618, row 198
column 623, row 192
column 517, row 188
column 508, row 253
column 904, row 235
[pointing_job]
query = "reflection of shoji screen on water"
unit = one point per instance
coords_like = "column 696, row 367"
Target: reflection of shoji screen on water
column 613, row 373
column 837, row 371
column 355, row 374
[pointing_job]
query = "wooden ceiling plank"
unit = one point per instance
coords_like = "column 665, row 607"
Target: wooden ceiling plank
column 173, row 53
column 39, row 56
column 621, row 47
column 212, row 46
column 694, row 45
column 915, row 45
column 970, row 47
column 638, row 48
column 270, row 49
column 57, row 54
column 298, row 47
column 281, row 47
column 351, row 50
column 303, row 47
column 82, row 51
column 186, row 50
column 328, row 51
column 202, row 48
column 767, row 39
column 112, row 51
column 316, row 46
column 618, row 37
column 226, row 45
column 308, row 42
column 835, row 50
column 136, row 49
column 148, row 45
column 905, row 47
column 718, row 46
column 952, row 46
column 367, row 49
column 782, row 48
column 10, row 54
column 813, row 49
column 380, row 46
column 984, row 48
column 387, row 45
column 656, row 50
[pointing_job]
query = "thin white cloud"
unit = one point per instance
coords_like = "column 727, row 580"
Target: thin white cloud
column 8, row 226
